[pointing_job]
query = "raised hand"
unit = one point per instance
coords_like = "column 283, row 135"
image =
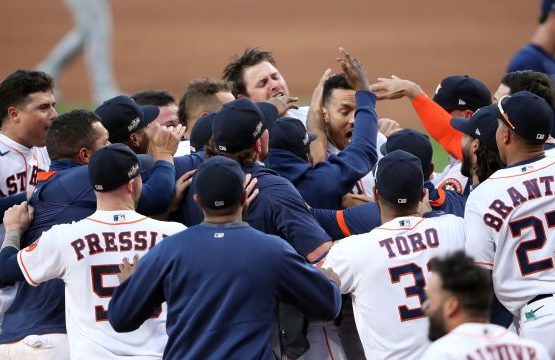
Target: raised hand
column 354, row 70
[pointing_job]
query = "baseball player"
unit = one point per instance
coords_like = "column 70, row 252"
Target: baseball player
column 221, row 279
column 459, row 297
column 509, row 219
column 27, row 108
column 254, row 75
column 93, row 33
column 455, row 96
column 324, row 184
column 86, row 256
column 386, row 270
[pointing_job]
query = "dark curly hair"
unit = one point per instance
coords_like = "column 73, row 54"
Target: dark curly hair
column 470, row 283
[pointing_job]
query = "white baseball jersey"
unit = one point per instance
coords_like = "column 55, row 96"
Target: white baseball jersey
column 510, row 229
column 451, row 178
column 386, row 271
column 19, row 166
column 85, row 255
column 484, row 342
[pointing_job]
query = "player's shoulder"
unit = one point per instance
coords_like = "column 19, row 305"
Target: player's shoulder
column 171, row 227
column 443, row 220
column 64, row 231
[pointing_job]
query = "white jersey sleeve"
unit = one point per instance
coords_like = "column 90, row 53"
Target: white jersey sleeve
column 43, row 259
column 479, row 243
column 338, row 261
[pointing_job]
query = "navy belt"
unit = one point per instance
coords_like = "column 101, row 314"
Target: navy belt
column 539, row 297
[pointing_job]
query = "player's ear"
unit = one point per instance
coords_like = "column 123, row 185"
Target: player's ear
column 257, row 146
column 131, row 185
column 326, row 114
column 468, row 113
column 451, row 306
column 13, row 113
column 84, row 155
column 196, row 200
column 376, row 195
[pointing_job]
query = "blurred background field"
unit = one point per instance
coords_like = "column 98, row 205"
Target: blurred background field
column 166, row 44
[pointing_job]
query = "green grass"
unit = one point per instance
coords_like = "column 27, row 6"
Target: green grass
column 441, row 158
column 62, row 107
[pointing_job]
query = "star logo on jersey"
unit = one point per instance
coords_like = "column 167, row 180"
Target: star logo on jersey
column 32, row 247
column 451, row 184
column 4, row 153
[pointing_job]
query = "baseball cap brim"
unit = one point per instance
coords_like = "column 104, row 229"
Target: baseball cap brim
column 150, row 112
column 383, row 148
column 462, row 125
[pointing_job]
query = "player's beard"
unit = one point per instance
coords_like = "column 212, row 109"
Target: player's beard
column 437, row 327
column 466, row 162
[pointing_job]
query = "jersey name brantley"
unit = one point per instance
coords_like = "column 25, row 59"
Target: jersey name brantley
column 517, row 195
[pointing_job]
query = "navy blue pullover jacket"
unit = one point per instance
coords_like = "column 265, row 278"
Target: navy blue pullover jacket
column 221, row 283
column 324, row 185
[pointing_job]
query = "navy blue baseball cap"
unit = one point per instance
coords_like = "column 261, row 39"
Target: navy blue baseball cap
column 122, row 116
column 462, row 93
column 414, row 143
column 112, row 166
column 239, row 124
column 291, row 135
column 546, row 7
column 482, row 125
column 527, row 114
column 399, row 177
column 201, row 132
column 219, row 182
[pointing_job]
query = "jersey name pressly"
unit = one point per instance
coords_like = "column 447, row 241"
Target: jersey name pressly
column 510, row 225
column 386, row 271
column 85, row 255
column 19, row 166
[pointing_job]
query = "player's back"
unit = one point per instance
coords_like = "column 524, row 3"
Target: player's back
column 486, row 342
column 389, row 267
column 510, row 220
column 91, row 251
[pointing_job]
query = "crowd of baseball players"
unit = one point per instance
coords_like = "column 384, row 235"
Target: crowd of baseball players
column 234, row 223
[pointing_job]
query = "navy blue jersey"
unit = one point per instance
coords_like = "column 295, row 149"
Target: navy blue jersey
column 447, row 201
column 354, row 220
column 533, row 57
column 324, row 185
column 278, row 210
column 221, row 283
column 187, row 163
column 363, row 218
column 65, row 197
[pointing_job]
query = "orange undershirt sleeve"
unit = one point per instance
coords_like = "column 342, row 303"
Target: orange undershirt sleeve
column 436, row 121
